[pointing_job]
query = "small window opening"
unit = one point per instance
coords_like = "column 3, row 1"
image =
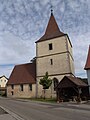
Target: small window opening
column 12, row 93
column 50, row 46
column 51, row 61
column 12, row 86
column 30, row 87
column 21, row 86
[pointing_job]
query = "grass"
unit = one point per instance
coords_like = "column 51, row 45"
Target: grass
column 50, row 100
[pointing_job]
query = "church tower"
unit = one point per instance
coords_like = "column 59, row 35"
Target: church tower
column 87, row 67
column 53, row 55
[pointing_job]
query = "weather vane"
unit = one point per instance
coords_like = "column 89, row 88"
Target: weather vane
column 51, row 9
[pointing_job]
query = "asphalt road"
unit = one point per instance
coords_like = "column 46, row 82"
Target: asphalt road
column 40, row 111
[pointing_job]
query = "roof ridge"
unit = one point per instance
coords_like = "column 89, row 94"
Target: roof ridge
column 3, row 76
column 23, row 64
column 79, row 80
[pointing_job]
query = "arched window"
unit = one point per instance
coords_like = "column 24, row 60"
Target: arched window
column 55, row 82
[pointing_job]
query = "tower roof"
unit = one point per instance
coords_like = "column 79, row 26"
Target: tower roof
column 52, row 30
column 87, row 65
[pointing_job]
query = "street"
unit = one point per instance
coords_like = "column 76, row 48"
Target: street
column 30, row 110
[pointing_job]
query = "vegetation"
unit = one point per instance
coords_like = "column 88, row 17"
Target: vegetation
column 50, row 100
column 45, row 82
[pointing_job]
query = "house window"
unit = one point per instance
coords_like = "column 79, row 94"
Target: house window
column 12, row 86
column 12, row 93
column 51, row 61
column 30, row 87
column 4, row 80
column 50, row 46
column 21, row 87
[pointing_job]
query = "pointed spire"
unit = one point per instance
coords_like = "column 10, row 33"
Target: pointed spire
column 87, row 66
column 52, row 30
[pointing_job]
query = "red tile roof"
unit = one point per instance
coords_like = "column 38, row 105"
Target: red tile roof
column 69, row 81
column 87, row 66
column 77, row 81
column 23, row 74
column 52, row 30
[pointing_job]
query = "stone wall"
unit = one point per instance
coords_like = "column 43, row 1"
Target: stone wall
column 63, row 63
column 50, row 93
column 17, row 93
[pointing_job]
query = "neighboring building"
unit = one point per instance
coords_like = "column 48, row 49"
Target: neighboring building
column 3, row 81
column 22, row 81
column 87, row 68
column 53, row 55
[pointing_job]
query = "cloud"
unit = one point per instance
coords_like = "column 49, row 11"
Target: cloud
column 6, row 69
column 80, row 49
column 22, row 22
column 13, row 49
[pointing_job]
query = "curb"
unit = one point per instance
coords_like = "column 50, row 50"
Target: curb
column 17, row 117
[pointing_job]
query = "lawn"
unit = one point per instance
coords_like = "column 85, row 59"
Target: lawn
column 50, row 100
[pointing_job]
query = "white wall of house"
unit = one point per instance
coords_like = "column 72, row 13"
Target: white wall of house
column 3, row 81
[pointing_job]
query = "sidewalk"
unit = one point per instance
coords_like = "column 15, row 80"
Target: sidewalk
column 8, row 115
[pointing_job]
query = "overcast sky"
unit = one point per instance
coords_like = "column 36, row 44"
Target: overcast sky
column 22, row 22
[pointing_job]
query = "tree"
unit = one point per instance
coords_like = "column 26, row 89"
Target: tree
column 33, row 60
column 45, row 82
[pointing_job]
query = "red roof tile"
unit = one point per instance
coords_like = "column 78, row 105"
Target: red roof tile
column 69, row 81
column 52, row 30
column 23, row 74
column 77, row 81
column 87, row 66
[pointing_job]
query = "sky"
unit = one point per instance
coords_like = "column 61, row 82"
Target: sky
column 22, row 22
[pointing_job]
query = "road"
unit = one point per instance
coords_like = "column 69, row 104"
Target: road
column 30, row 110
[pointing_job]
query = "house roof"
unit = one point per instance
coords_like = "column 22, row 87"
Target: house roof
column 23, row 74
column 87, row 65
column 52, row 30
column 4, row 77
column 69, row 81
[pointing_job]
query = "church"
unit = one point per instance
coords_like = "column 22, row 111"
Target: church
column 53, row 55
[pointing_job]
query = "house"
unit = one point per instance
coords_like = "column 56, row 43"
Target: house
column 87, row 68
column 53, row 55
column 3, row 82
column 22, row 81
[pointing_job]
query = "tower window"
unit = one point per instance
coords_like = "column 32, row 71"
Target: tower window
column 50, row 46
column 51, row 61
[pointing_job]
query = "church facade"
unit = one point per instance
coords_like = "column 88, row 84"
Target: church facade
column 53, row 55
